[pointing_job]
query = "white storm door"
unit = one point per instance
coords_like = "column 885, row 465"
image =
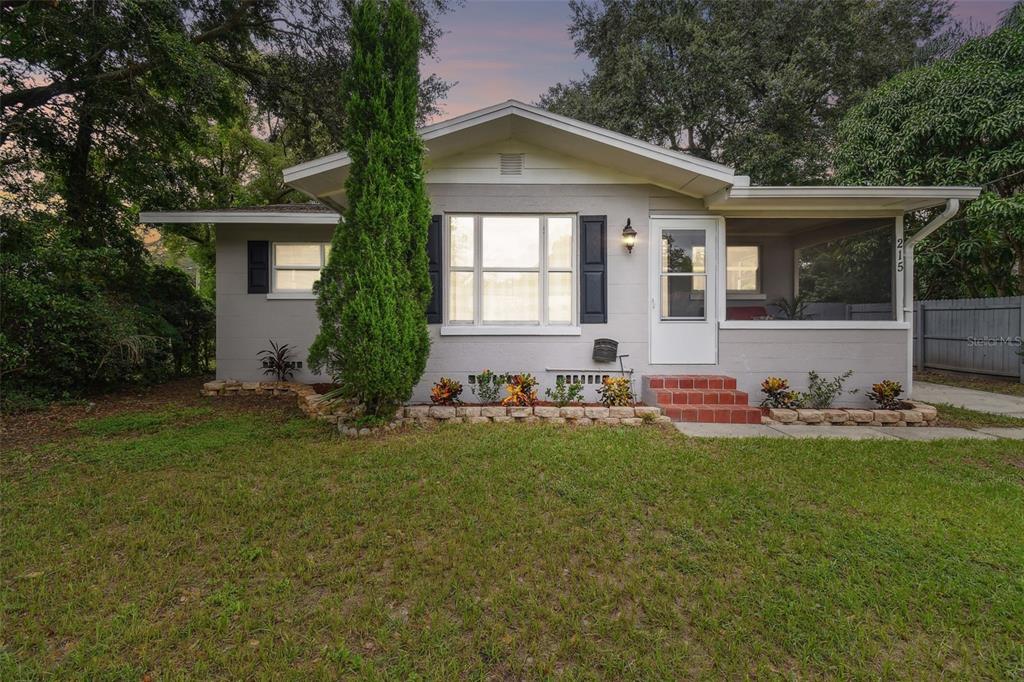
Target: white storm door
column 683, row 286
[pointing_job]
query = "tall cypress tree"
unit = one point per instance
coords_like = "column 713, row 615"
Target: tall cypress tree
column 374, row 290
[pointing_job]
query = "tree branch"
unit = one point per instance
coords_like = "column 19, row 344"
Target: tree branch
column 31, row 98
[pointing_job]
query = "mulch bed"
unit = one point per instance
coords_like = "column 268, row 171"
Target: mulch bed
column 58, row 422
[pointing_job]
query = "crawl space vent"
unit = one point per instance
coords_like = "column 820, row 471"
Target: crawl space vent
column 511, row 164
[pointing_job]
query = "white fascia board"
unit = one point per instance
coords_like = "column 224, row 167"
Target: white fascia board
column 853, row 192
column 894, row 199
column 683, row 161
column 246, row 217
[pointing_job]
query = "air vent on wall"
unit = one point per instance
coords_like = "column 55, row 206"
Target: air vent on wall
column 511, row 164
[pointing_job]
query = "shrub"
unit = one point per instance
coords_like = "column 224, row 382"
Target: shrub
column 488, row 386
column 373, row 293
column 565, row 392
column 886, row 394
column 821, row 392
column 521, row 389
column 616, row 391
column 778, row 394
column 446, row 392
column 277, row 361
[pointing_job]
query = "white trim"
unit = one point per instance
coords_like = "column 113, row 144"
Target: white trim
column 511, row 330
column 542, row 270
column 249, row 217
column 746, row 296
column 846, row 192
column 693, row 164
column 292, row 296
column 288, row 293
column 797, row 325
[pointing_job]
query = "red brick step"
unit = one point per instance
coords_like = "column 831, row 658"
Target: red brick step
column 708, row 398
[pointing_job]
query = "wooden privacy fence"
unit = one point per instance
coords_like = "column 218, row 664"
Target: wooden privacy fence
column 977, row 335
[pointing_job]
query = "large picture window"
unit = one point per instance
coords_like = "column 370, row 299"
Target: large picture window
column 297, row 266
column 511, row 269
column 743, row 268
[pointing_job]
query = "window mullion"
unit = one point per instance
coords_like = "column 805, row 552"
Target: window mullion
column 542, row 288
column 478, row 274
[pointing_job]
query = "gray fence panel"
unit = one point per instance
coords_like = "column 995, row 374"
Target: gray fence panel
column 977, row 335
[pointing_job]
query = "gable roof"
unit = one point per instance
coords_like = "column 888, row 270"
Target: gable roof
column 324, row 178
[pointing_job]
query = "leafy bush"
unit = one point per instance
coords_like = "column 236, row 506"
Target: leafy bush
column 821, row 392
column 488, row 386
column 617, row 391
column 886, row 394
column 446, row 392
column 792, row 309
column 277, row 361
column 80, row 319
column 521, row 389
column 778, row 394
column 565, row 392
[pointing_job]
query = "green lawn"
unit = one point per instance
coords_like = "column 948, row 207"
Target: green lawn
column 990, row 384
column 196, row 542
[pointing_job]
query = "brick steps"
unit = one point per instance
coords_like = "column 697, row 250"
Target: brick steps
column 706, row 398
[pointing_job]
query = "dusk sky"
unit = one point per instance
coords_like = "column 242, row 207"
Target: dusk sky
column 515, row 49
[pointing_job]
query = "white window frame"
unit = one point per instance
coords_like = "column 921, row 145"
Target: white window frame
column 294, row 293
column 739, row 293
column 478, row 326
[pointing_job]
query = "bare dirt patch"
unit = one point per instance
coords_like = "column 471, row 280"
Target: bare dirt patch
column 58, row 422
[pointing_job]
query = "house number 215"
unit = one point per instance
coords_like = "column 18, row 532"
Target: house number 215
column 899, row 255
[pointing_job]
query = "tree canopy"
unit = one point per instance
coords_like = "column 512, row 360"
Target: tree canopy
column 756, row 85
column 959, row 121
column 107, row 106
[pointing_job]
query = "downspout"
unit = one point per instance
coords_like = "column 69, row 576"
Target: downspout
column 952, row 206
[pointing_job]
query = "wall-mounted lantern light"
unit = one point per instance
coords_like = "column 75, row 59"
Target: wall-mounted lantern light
column 628, row 236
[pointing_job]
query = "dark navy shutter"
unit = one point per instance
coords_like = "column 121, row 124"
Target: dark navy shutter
column 593, row 269
column 259, row 267
column 434, row 268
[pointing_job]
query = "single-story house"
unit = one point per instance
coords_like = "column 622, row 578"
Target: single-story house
column 549, row 233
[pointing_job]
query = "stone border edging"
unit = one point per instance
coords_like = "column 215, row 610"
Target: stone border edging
column 310, row 403
column 917, row 414
column 581, row 415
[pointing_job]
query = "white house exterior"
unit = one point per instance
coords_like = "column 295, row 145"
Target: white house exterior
column 530, row 266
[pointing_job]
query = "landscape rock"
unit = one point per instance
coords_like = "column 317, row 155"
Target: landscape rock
column 572, row 412
column 596, row 412
column 547, row 411
column 442, row 411
column 493, row 411
column 782, row 416
column 810, row 416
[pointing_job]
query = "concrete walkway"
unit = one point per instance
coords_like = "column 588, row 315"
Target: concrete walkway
column 981, row 401
column 915, row 433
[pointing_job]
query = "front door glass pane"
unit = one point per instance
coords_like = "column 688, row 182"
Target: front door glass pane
column 682, row 250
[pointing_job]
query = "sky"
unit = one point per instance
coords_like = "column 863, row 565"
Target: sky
column 496, row 50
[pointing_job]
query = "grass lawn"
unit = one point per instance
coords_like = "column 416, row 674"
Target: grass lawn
column 951, row 415
column 992, row 385
column 202, row 541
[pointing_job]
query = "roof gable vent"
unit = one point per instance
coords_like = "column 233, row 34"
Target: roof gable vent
column 511, row 164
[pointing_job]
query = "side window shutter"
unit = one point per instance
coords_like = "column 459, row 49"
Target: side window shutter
column 259, row 267
column 593, row 269
column 434, row 268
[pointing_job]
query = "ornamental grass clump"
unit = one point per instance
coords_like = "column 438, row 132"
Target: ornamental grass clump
column 522, row 390
column 886, row 394
column 778, row 395
column 616, row 392
column 446, row 392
